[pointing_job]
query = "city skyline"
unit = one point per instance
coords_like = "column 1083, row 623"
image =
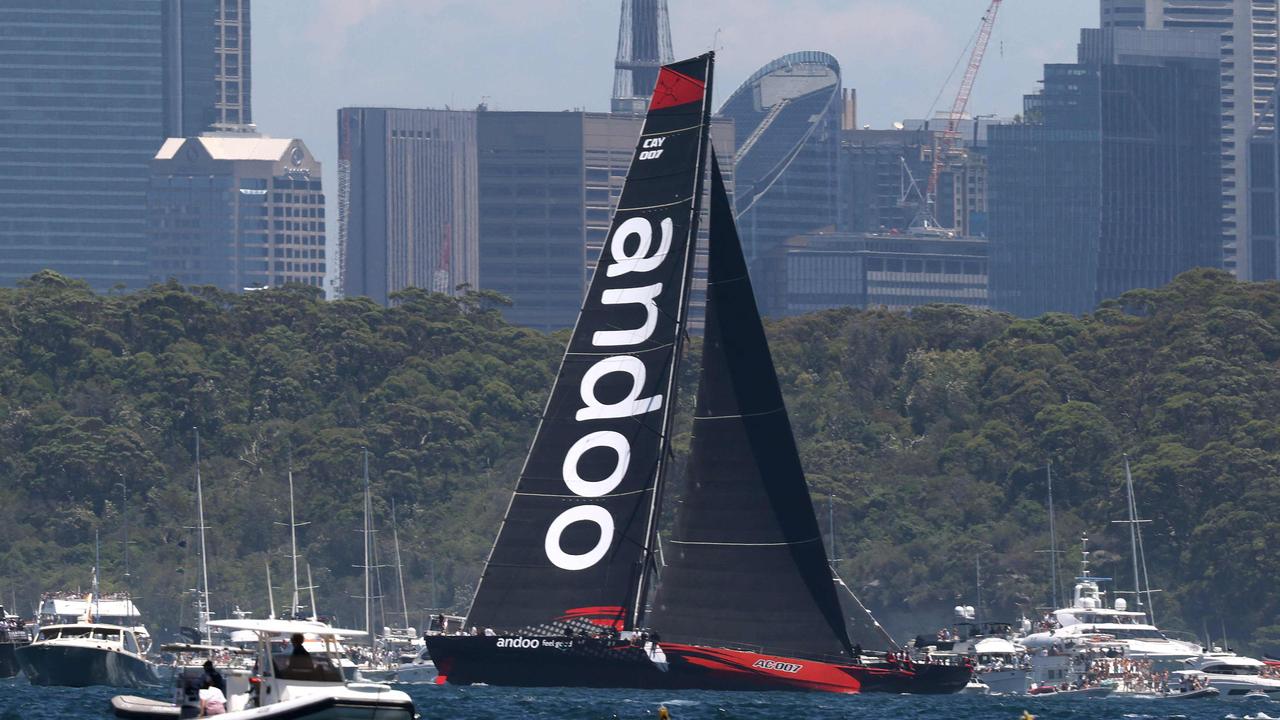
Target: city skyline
column 313, row 57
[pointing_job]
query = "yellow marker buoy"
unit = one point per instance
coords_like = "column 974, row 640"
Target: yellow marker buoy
column 1027, row 716
column 663, row 713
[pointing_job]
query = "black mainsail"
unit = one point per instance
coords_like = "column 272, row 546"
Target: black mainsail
column 576, row 538
column 746, row 563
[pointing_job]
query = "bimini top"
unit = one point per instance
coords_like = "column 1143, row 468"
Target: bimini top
column 285, row 627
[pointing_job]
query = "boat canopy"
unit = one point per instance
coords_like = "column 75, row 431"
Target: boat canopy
column 285, row 627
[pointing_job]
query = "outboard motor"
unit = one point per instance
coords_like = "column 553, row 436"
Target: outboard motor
column 189, row 683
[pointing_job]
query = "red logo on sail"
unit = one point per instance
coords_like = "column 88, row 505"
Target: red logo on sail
column 674, row 88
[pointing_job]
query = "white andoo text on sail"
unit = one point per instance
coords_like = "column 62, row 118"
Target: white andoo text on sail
column 644, row 258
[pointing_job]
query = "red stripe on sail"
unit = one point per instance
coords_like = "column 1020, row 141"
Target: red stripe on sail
column 675, row 88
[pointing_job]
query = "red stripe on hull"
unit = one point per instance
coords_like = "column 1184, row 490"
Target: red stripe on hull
column 743, row 667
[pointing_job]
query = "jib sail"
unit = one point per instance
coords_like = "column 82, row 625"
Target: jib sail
column 575, row 539
column 745, row 564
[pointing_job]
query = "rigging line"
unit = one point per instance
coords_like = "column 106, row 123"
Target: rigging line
column 672, row 132
column 579, row 497
column 744, row 415
column 652, row 207
column 632, row 353
column 740, row 278
column 743, row 544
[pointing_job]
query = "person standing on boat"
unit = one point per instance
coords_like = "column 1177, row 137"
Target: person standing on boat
column 213, row 678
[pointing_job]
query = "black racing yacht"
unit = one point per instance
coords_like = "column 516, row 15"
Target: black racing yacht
column 572, row 593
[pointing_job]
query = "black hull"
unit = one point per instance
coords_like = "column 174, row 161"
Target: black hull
column 75, row 666
column 598, row 663
column 9, row 660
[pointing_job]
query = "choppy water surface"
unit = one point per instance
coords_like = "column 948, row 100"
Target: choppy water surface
column 20, row 701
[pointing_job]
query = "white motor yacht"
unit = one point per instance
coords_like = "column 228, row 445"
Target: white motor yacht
column 1235, row 675
column 86, row 653
column 1088, row 619
column 110, row 608
column 297, row 686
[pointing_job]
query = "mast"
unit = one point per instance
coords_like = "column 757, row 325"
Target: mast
column 368, row 594
column 295, row 607
column 1135, row 546
column 395, row 536
column 647, row 554
column 311, row 592
column 97, row 570
column 271, row 596
column 1053, row 537
column 204, row 564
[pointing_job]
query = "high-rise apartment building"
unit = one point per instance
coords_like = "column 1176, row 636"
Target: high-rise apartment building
column 787, row 119
column 549, row 183
column 236, row 211
column 1264, row 196
column 1111, row 182
column 1246, row 31
column 90, row 92
column 1124, row 13
column 407, row 201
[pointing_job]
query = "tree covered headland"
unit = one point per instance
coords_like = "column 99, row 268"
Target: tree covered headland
column 927, row 434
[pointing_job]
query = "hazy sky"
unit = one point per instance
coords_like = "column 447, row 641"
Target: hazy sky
column 311, row 57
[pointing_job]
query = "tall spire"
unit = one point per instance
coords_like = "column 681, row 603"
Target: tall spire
column 644, row 45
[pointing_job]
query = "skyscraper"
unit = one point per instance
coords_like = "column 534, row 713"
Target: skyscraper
column 407, row 201
column 1111, row 182
column 83, row 91
column 644, row 45
column 787, row 119
column 237, row 211
column 549, row 183
column 90, row 89
column 207, row 66
column 1246, row 31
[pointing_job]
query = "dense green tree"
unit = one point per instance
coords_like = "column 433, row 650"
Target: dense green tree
column 925, row 434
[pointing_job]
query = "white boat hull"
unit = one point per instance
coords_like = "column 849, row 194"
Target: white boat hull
column 347, row 705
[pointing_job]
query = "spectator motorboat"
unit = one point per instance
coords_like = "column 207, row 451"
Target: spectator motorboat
column 297, row 684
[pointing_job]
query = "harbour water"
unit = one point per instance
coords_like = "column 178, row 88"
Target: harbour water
column 20, row 701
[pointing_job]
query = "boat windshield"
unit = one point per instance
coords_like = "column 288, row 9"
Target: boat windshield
column 1226, row 669
column 76, row 632
column 312, row 667
column 106, row 634
column 1134, row 634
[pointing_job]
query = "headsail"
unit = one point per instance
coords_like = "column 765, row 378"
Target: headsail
column 576, row 536
column 745, row 564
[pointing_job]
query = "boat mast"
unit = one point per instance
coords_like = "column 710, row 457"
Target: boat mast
column 293, row 544
column 204, row 565
column 1135, row 546
column 97, row 570
column 1053, row 536
column 647, row 554
column 395, row 535
column 311, row 592
column 368, row 593
column 271, row 596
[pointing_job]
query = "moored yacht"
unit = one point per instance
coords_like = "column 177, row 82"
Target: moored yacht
column 111, row 608
column 13, row 635
column 86, row 653
column 1089, row 619
column 1235, row 675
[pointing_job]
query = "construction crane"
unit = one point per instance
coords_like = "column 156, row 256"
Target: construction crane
column 952, row 133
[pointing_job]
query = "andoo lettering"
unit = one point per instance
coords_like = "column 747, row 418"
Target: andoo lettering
column 641, row 258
